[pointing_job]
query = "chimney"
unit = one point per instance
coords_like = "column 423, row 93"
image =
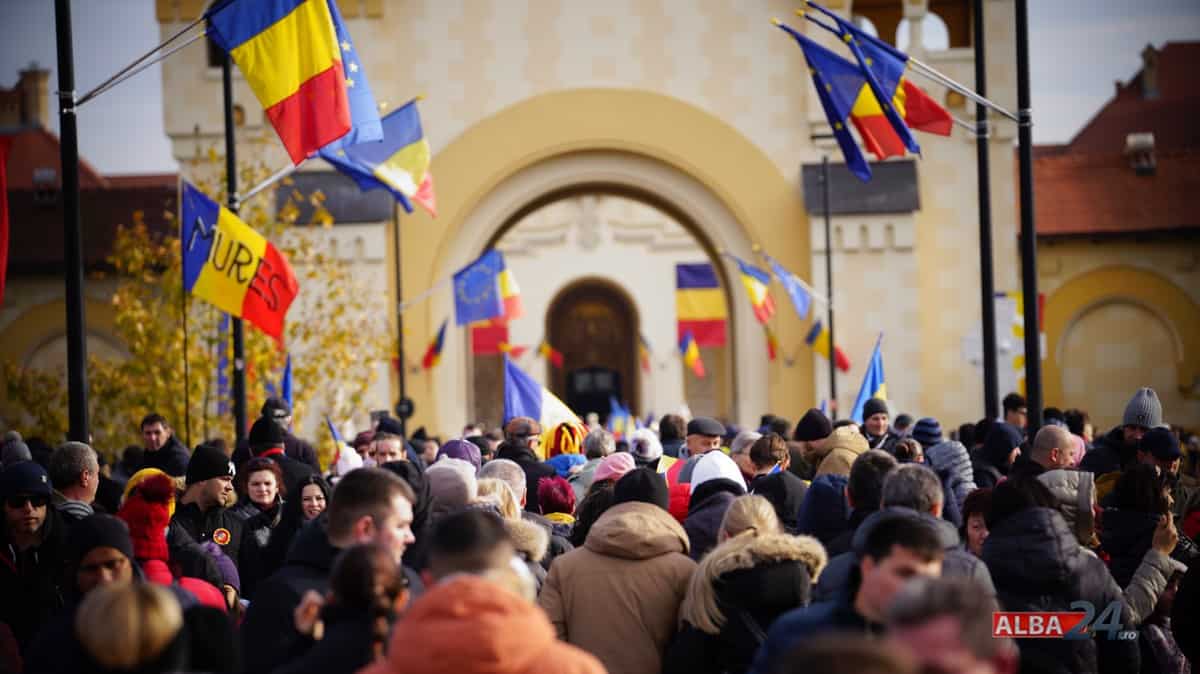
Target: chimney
column 1149, row 72
column 34, row 86
column 1139, row 150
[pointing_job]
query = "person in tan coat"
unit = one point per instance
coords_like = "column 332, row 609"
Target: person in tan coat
column 834, row 454
column 618, row 596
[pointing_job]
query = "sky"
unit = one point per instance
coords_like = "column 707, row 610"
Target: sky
column 1078, row 49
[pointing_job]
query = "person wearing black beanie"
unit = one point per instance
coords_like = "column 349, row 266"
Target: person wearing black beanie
column 203, row 510
column 642, row 485
column 876, row 427
column 267, row 440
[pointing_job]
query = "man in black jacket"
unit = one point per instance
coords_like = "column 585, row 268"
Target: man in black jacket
column 370, row 505
column 32, row 548
column 163, row 450
column 203, row 510
column 522, row 436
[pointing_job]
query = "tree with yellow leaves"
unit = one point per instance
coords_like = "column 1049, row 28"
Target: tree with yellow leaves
column 333, row 351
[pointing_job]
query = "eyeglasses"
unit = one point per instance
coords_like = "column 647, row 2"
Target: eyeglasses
column 19, row 500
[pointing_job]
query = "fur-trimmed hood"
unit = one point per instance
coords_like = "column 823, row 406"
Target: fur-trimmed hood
column 771, row 549
column 530, row 539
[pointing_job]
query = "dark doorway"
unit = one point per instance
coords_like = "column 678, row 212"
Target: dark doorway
column 593, row 323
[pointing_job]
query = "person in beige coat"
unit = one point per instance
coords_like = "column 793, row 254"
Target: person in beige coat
column 834, row 454
column 618, row 596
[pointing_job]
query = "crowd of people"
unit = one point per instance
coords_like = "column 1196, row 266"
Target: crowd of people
column 688, row 546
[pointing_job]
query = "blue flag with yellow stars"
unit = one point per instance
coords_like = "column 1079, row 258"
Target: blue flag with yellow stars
column 838, row 83
column 364, row 111
column 477, row 289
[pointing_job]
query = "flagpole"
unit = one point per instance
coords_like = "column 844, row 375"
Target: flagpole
column 77, row 381
column 274, row 178
column 987, row 285
column 239, row 338
column 401, row 365
column 827, row 208
column 1029, row 284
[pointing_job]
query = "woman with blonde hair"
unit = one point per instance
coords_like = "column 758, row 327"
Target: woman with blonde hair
column 530, row 539
column 756, row 573
column 132, row 627
column 497, row 492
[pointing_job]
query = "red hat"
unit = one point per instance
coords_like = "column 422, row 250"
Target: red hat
column 147, row 511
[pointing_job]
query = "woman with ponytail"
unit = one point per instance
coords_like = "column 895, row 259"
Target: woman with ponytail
column 756, row 573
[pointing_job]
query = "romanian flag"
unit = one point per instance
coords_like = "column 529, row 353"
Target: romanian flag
column 838, row 83
column 873, row 386
column 818, row 339
column 524, row 397
column 433, row 354
column 510, row 292
column 885, row 128
column 644, row 353
column 399, row 164
column 488, row 338
column 513, row 351
column 691, row 354
column 772, row 344
column 757, row 283
column 228, row 264
column 551, row 354
column 700, row 304
column 289, row 54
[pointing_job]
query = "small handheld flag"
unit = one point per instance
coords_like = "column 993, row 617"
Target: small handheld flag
column 337, row 437
column 288, row 52
column 433, row 354
column 285, row 385
column 818, row 339
column 551, row 354
column 233, row 267
column 691, row 354
column 757, row 283
column 644, row 353
column 398, row 164
column 873, row 386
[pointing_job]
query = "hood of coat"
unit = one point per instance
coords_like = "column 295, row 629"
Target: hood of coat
column 529, row 538
column 774, row 574
column 825, row 511
column 950, row 456
column 786, row 492
column 312, row 548
column 846, row 438
column 1124, row 531
column 636, row 530
column 719, row 486
column 1033, row 552
column 467, row 624
column 1074, row 490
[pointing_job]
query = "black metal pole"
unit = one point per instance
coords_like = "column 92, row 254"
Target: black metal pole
column 77, row 381
column 987, row 285
column 1029, row 286
column 239, row 335
column 826, row 179
column 401, row 365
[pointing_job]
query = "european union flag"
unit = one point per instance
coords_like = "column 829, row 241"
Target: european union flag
column 364, row 111
column 477, row 289
column 838, row 82
column 801, row 299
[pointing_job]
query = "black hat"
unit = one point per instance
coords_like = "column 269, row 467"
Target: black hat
column 705, row 426
column 814, row 425
column 874, row 406
column 208, row 462
column 642, row 485
column 1161, row 443
column 276, row 408
column 26, row 477
column 98, row 531
column 265, row 433
column 390, row 425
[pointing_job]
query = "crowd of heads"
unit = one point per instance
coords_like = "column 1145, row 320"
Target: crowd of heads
column 688, row 545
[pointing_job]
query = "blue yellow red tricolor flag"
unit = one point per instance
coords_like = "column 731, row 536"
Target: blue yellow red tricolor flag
column 757, row 283
column 433, row 354
column 233, row 267
column 289, row 54
column 885, row 127
column 772, row 344
column 551, row 354
column 874, row 385
column 691, row 354
column 399, row 164
column 838, row 83
column 700, row 304
column 644, row 353
column 818, row 339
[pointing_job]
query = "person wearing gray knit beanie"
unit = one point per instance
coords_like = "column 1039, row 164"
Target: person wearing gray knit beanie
column 1118, row 449
column 14, row 449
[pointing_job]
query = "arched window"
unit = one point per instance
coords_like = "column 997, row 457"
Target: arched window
column 935, row 35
